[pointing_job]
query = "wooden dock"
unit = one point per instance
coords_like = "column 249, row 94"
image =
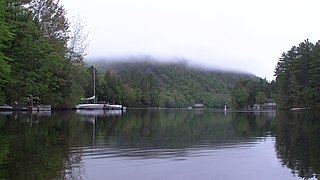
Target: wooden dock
column 39, row 108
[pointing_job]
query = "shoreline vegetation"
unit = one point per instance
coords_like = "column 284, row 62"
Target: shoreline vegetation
column 42, row 54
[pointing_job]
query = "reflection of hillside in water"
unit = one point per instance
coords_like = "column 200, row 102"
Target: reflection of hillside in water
column 298, row 142
column 176, row 133
column 63, row 141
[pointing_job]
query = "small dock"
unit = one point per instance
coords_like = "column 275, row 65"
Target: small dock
column 39, row 108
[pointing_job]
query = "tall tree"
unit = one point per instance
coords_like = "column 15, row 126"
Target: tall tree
column 314, row 73
column 38, row 51
column 240, row 96
column 50, row 16
column 5, row 35
column 78, row 42
column 297, row 73
column 25, row 50
column 34, row 57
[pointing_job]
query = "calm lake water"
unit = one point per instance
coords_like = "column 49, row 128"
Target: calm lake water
column 160, row 144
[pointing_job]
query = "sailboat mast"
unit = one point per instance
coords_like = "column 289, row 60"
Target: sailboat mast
column 94, row 85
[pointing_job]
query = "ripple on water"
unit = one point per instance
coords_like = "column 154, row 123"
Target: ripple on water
column 152, row 152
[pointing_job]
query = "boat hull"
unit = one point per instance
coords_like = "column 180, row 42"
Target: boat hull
column 5, row 108
column 90, row 106
column 113, row 107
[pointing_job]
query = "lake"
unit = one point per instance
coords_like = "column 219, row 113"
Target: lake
column 160, row 144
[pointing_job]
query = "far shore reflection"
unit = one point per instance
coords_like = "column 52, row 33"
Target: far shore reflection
column 87, row 144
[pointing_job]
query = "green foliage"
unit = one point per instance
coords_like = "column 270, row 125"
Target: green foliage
column 240, row 96
column 36, row 59
column 150, row 84
column 34, row 37
column 260, row 98
column 298, row 75
column 246, row 93
column 5, row 35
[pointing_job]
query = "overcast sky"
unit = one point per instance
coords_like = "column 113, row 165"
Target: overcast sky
column 246, row 35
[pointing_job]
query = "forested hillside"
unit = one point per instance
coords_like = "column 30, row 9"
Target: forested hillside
column 42, row 55
column 139, row 83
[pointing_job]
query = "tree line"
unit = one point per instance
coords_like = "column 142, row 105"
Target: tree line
column 144, row 82
column 246, row 93
column 298, row 76
column 41, row 53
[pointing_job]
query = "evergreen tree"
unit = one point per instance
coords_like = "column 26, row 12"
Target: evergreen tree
column 5, row 35
column 297, row 75
column 314, row 73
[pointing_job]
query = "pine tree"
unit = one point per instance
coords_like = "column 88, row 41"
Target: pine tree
column 5, row 35
column 297, row 76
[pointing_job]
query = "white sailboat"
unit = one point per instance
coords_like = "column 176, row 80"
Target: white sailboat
column 90, row 106
column 94, row 105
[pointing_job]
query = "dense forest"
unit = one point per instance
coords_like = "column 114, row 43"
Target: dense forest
column 42, row 55
column 148, row 83
column 298, row 76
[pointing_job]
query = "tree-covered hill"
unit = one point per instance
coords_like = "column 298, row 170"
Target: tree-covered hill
column 42, row 55
column 145, row 83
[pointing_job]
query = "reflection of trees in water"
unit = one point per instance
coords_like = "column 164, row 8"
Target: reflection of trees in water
column 41, row 151
column 182, row 129
column 298, row 142
column 54, row 147
column 168, row 129
column 252, row 124
column 74, row 167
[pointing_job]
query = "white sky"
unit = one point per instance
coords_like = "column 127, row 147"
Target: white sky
column 246, row 35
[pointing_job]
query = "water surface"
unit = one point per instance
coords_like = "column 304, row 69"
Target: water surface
column 159, row 144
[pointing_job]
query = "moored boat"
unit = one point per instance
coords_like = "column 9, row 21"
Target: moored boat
column 90, row 106
column 5, row 108
column 94, row 105
column 298, row 109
